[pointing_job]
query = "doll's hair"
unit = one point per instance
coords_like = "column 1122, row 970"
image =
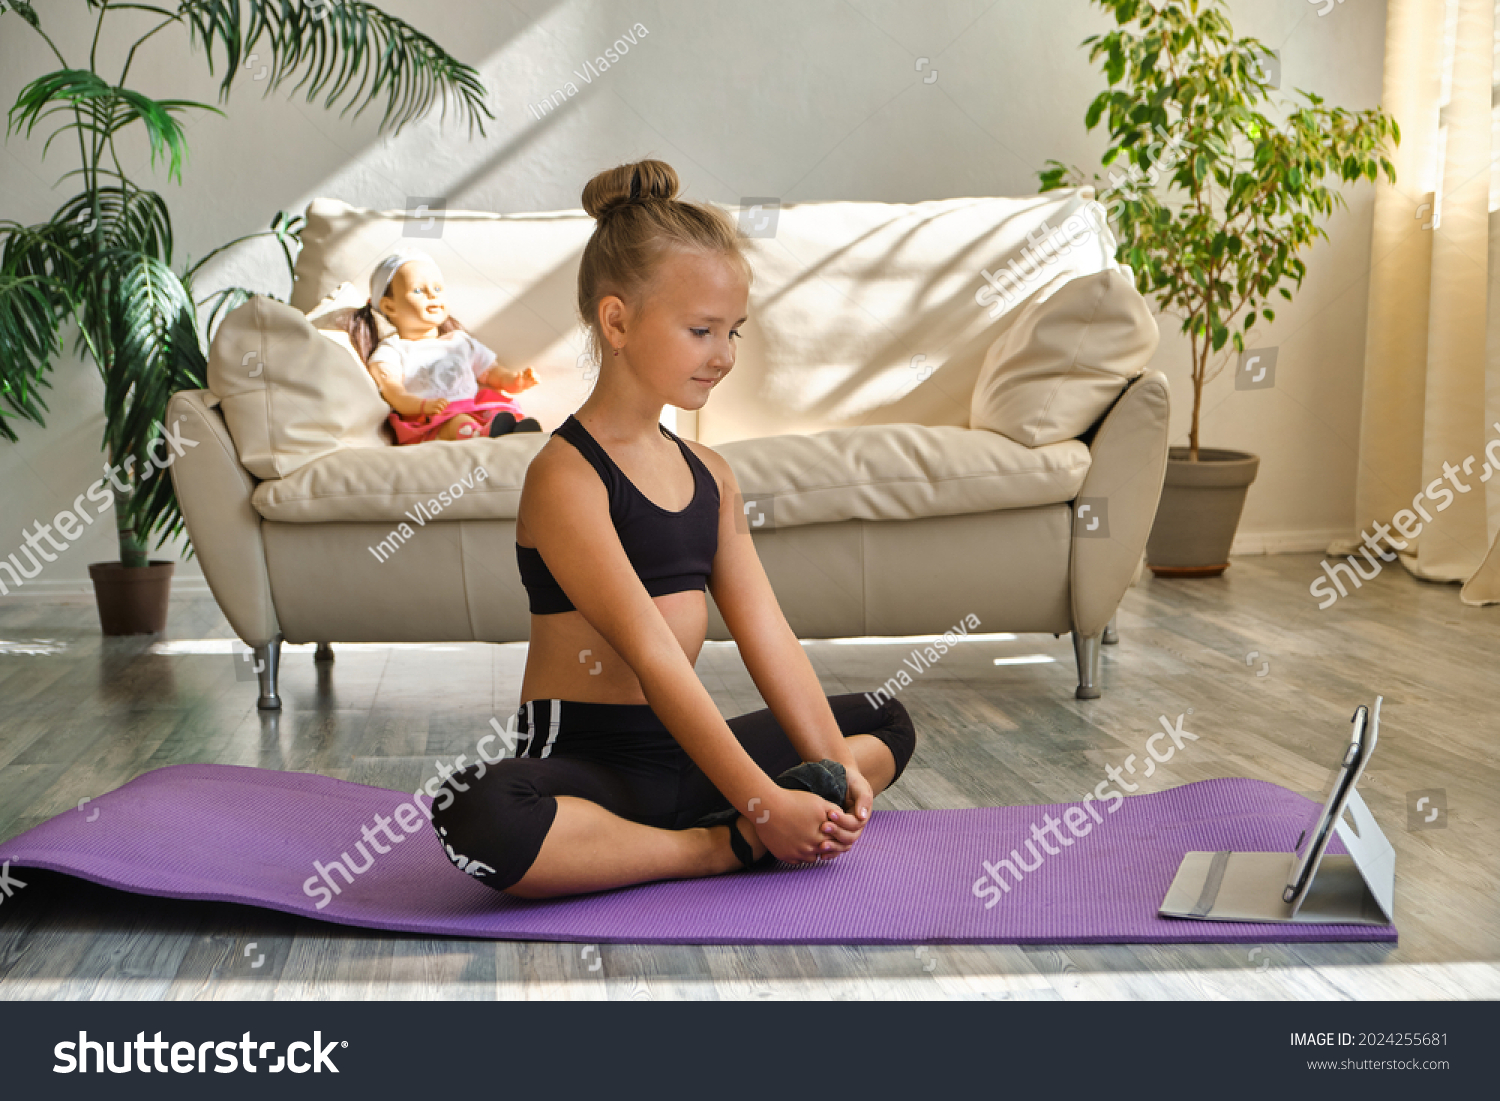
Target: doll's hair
column 364, row 333
column 640, row 221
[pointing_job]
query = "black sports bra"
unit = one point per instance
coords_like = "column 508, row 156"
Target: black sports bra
column 671, row 551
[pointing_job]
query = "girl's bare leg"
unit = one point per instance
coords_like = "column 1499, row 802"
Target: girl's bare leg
column 589, row 848
column 874, row 758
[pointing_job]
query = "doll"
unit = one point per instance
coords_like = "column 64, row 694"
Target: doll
column 440, row 382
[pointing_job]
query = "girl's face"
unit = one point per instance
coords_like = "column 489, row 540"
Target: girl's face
column 682, row 341
column 414, row 302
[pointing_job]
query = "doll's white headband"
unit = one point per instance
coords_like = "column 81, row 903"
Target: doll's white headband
column 385, row 271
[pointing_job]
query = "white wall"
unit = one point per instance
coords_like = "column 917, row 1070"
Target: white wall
column 803, row 99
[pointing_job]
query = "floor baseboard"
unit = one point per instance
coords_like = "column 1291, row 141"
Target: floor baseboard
column 1285, row 542
column 81, row 590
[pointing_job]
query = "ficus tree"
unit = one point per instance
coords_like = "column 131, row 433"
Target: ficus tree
column 1215, row 199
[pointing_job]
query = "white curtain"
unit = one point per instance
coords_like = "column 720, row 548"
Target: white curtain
column 1430, row 426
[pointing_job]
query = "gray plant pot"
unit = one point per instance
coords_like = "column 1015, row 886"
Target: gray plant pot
column 1199, row 511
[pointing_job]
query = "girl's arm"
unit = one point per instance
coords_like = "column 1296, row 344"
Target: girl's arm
column 774, row 658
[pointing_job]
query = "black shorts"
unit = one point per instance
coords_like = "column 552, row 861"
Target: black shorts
column 493, row 818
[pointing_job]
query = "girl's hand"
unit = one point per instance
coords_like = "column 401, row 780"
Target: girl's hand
column 843, row 828
column 794, row 828
column 432, row 407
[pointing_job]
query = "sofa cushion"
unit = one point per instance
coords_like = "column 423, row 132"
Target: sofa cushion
column 291, row 393
column 439, row 480
column 898, row 472
column 1068, row 355
column 869, row 472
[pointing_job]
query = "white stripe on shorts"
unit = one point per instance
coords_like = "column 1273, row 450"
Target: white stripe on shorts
column 555, row 708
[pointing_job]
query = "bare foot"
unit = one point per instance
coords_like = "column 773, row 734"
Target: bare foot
column 722, row 858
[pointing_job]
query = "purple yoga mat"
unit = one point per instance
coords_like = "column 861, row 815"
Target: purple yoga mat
column 256, row 836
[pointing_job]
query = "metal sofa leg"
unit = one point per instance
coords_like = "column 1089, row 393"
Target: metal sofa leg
column 1086, row 651
column 1111, row 636
column 267, row 666
column 324, row 652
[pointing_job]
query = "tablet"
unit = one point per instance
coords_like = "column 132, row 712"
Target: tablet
column 1312, row 843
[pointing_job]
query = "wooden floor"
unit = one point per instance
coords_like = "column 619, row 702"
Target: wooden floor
column 80, row 716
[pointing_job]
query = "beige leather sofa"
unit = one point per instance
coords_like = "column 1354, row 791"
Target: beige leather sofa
column 940, row 410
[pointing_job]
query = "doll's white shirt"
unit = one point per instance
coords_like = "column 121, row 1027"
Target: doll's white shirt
column 446, row 366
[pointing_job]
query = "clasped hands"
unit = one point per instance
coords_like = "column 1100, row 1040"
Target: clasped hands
column 802, row 828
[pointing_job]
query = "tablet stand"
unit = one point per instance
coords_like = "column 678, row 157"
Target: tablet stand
column 1357, row 889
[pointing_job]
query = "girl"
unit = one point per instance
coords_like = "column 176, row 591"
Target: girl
column 430, row 371
column 625, row 771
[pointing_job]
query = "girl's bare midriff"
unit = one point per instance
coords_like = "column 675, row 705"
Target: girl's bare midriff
column 569, row 660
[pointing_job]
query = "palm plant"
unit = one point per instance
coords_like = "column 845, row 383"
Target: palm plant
column 104, row 260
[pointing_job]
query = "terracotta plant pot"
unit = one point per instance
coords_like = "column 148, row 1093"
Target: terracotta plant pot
column 1199, row 511
column 132, row 601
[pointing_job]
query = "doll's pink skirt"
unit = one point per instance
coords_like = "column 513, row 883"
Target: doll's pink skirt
column 482, row 408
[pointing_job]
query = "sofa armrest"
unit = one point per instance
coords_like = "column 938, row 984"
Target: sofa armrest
column 214, row 492
column 1129, row 450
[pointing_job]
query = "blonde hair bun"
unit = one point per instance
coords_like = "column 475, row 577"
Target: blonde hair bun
column 630, row 184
